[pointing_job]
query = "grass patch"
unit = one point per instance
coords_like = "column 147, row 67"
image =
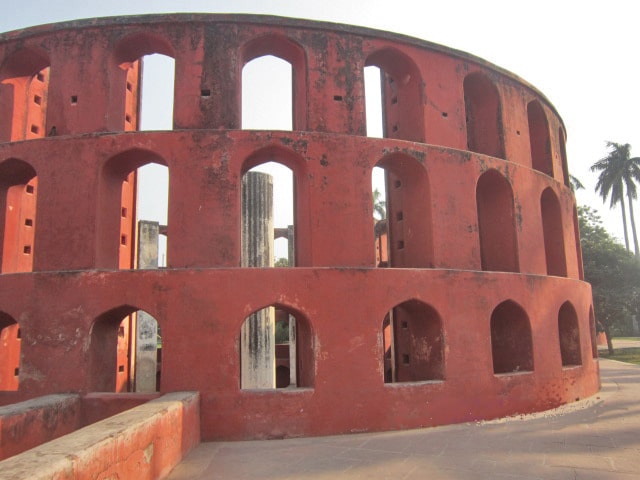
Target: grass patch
column 628, row 355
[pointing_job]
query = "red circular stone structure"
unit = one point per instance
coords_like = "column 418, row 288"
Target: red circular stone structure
column 481, row 313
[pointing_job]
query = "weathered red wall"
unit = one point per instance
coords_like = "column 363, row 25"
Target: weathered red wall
column 337, row 294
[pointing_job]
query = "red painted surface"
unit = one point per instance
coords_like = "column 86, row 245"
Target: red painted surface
column 28, row 424
column 143, row 442
column 464, row 208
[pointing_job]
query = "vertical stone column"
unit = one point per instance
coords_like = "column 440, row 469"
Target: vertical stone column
column 293, row 376
column 258, row 332
column 146, row 359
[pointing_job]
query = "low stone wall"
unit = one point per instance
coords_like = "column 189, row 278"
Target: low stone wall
column 28, row 424
column 145, row 442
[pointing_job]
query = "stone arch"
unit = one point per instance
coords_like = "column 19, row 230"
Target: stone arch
column 10, row 340
column 259, row 359
column 511, row 341
column 562, row 141
column 127, row 55
column 290, row 51
column 116, row 224
column 496, row 223
column 298, row 166
column 576, row 236
column 24, row 84
column 553, row 233
column 539, row 137
column 111, row 358
column 402, row 94
column 592, row 333
column 408, row 209
column 483, row 115
column 413, row 343
column 18, row 205
column 569, row 335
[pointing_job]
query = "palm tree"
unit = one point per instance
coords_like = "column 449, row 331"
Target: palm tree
column 575, row 183
column 618, row 175
column 379, row 206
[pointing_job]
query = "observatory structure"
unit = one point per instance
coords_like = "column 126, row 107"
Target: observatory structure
column 467, row 302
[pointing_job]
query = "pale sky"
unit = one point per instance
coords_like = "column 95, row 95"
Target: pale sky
column 582, row 55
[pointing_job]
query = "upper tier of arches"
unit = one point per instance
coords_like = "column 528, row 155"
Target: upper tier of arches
column 430, row 94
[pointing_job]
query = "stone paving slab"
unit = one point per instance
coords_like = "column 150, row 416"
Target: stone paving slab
column 595, row 438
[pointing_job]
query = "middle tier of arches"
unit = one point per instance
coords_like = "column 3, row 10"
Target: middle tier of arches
column 451, row 209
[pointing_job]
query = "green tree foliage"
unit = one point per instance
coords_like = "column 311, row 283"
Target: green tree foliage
column 379, row 207
column 612, row 271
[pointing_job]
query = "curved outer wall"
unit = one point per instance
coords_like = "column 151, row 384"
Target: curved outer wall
column 201, row 299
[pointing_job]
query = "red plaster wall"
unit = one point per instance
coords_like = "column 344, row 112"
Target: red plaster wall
column 339, row 297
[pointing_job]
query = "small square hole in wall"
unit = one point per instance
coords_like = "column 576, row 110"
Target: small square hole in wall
column 405, row 359
column 120, row 368
column 129, row 87
column 123, row 212
column 399, row 216
column 405, row 325
column 34, row 129
column 123, row 239
column 40, row 77
column 121, row 331
column 337, row 98
column 445, row 114
column 16, row 371
column 37, row 99
column 127, row 118
column 394, row 100
column 395, row 128
column 205, row 92
column 28, row 222
column 400, row 244
column 30, row 189
column 27, row 249
column 19, row 334
column 74, row 99
column 397, row 184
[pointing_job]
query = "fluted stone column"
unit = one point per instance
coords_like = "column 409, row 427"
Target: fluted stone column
column 146, row 361
column 258, row 332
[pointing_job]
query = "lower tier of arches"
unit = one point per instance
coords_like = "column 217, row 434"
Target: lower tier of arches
column 375, row 349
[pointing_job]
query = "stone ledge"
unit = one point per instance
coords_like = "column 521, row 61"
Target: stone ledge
column 144, row 442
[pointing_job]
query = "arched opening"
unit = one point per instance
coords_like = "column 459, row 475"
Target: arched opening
column 511, row 342
column 593, row 333
column 268, row 232
column 274, row 196
column 267, row 95
column 124, row 352
column 407, row 206
column 563, row 155
column 553, row 234
column 24, row 85
column 18, row 195
column 539, row 137
column 276, row 350
column 483, row 116
column 276, row 65
column 569, row 333
column 9, row 353
column 413, row 343
column 118, row 239
column 496, row 223
column 401, row 93
column 576, row 234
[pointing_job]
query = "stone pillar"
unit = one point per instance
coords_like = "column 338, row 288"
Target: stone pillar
column 293, row 376
column 258, row 331
column 146, row 359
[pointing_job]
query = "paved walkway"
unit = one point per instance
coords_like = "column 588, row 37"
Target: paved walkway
column 596, row 438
